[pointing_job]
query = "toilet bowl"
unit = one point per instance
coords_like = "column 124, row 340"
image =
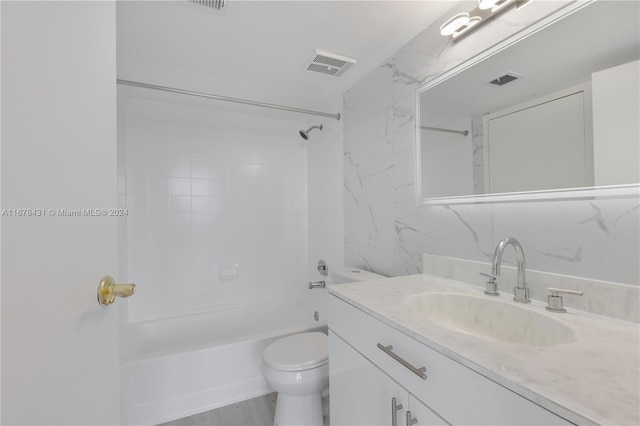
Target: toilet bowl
column 297, row 367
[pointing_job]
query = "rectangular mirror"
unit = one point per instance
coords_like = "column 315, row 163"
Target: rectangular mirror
column 553, row 115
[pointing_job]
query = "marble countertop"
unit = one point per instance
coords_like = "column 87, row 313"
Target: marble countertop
column 593, row 379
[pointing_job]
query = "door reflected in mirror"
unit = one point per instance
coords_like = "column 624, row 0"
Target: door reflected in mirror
column 557, row 110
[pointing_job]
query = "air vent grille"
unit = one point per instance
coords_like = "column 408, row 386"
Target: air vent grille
column 215, row 4
column 323, row 69
column 502, row 80
column 330, row 63
column 325, row 60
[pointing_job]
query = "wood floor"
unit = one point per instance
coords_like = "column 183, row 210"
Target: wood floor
column 252, row 412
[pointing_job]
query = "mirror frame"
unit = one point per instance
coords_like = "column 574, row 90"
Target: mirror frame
column 611, row 191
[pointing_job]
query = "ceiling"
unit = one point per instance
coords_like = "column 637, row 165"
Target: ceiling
column 259, row 50
column 603, row 35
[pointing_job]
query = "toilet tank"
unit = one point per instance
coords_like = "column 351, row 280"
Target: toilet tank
column 349, row 275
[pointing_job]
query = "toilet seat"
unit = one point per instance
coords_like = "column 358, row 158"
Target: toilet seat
column 299, row 352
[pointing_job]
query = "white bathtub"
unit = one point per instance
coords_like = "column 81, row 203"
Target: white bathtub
column 172, row 368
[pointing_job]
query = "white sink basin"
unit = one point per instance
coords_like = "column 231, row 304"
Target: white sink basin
column 491, row 319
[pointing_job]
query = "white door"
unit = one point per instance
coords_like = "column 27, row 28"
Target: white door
column 539, row 147
column 59, row 347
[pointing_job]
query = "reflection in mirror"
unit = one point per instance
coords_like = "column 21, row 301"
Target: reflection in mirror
column 558, row 109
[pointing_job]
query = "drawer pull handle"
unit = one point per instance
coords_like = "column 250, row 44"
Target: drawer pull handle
column 394, row 407
column 420, row 372
column 410, row 419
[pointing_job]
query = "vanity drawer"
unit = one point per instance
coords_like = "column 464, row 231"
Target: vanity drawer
column 458, row 394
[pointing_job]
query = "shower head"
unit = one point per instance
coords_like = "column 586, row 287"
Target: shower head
column 304, row 134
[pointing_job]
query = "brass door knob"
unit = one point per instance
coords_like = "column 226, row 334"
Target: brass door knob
column 108, row 290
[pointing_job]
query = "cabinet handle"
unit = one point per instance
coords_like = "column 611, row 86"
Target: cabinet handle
column 411, row 420
column 394, row 408
column 420, row 372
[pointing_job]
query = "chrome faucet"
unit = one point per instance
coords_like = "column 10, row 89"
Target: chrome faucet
column 317, row 284
column 521, row 292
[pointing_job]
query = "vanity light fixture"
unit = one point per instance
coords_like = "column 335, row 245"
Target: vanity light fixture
column 500, row 4
column 454, row 24
column 486, row 4
column 463, row 23
column 473, row 21
column 520, row 4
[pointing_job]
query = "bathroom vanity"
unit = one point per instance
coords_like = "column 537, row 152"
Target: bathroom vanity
column 391, row 347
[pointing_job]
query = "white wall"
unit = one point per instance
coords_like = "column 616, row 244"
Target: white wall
column 325, row 207
column 386, row 232
column 0, row 206
column 616, row 133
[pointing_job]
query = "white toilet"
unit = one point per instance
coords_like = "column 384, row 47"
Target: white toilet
column 349, row 275
column 297, row 367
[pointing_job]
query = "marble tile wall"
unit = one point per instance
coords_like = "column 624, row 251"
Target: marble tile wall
column 614, row 300
column 386, row 232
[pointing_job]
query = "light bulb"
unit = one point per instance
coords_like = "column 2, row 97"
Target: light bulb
column 455, row 23
column 473, row 21
column 486, row 4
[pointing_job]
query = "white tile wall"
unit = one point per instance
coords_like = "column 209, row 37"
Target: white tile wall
column 386, row 232
column 207, row 188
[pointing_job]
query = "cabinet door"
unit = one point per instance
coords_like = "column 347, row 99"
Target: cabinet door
column 423, row 414
column 359, row 392
column 457, row 393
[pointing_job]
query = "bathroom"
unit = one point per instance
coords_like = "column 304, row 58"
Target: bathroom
column 266, row 205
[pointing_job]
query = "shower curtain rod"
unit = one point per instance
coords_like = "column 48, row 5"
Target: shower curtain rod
column 226, row 99
column 439, row 129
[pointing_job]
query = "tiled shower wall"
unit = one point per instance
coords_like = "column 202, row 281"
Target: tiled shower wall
column 208, row 188
column 386, row 232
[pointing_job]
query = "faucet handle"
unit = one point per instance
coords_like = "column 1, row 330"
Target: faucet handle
column 490, row 276
column 491, row 287
column 555, row 300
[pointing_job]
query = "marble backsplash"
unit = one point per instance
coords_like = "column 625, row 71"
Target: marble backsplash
column 387, row 232
column 607, row 298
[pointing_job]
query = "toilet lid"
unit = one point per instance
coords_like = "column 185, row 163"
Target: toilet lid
column 298, row 352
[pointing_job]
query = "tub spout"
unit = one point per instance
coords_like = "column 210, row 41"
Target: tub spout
column 317, row 284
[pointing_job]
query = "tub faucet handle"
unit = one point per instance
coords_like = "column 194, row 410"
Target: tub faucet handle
column 323, row 268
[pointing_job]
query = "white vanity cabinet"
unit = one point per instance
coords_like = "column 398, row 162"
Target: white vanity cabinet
column 361, row 394
column 364, row 378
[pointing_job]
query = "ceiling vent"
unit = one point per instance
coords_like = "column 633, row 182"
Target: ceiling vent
column 502, row 80
column 330, row 63
column 215, row 4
